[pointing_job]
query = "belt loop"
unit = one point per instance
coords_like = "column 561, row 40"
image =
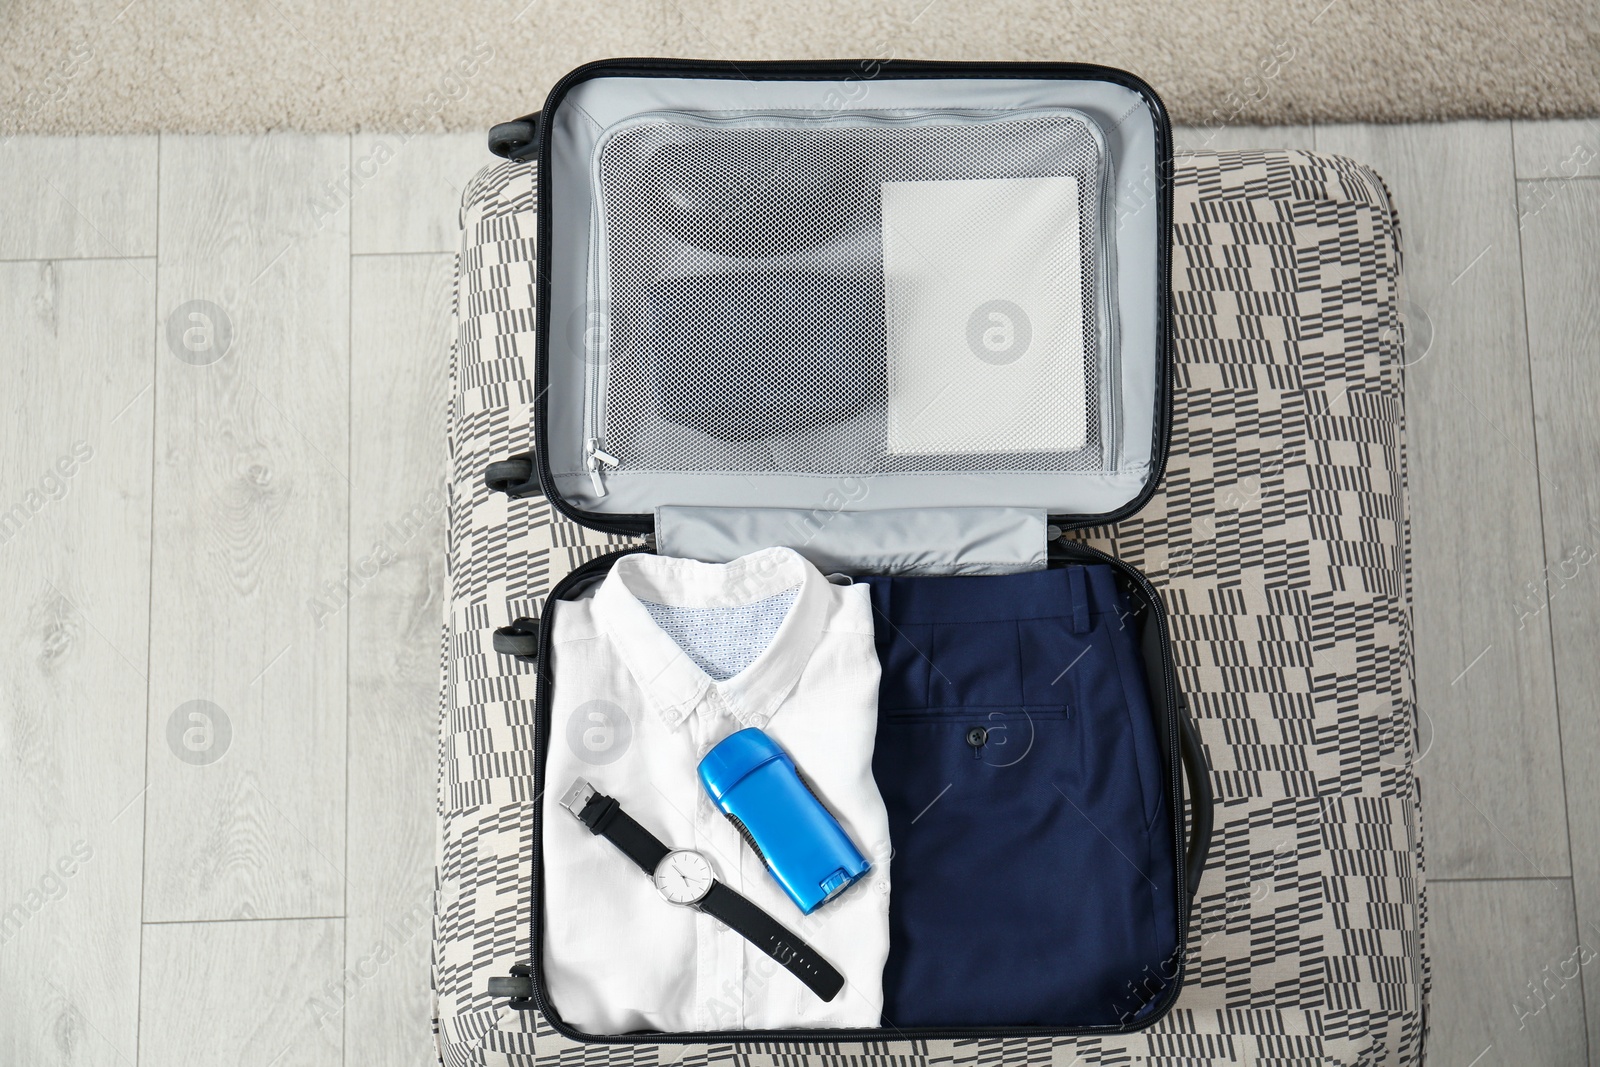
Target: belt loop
column 879, row 589
column 1078, row 582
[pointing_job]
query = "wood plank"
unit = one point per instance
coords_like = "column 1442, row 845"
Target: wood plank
column 1484, row 679
column 1549, row 155
column 402, row 326
column 1561, row 273
column 1188, row 139
column 1506, row 974
column 253, row 994
column 75, row 370
column 405, row 192
column 251, row 534
column 78, row 197
column 1557, row 148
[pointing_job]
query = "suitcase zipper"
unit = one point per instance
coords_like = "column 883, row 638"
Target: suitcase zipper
column 595, row 461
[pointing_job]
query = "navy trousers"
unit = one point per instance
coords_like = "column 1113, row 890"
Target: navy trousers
column 1034, row 858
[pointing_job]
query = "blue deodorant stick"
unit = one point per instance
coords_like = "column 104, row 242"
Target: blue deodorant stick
column 756, row 785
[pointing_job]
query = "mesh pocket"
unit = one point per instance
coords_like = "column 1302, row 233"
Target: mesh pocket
column 741, row 266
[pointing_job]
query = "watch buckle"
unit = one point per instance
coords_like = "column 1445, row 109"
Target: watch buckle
column 577, row 797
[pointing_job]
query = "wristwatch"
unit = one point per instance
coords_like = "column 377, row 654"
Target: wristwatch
column 684, row 877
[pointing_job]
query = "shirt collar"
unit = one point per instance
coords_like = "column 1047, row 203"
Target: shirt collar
column 674, row 683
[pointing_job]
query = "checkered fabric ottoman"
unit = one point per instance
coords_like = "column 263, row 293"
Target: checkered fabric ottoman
column 1279, row 539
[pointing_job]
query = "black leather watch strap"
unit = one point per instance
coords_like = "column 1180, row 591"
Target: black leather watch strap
column 767, row 934
column 605, row 817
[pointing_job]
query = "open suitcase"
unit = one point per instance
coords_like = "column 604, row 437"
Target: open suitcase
column 715, row 458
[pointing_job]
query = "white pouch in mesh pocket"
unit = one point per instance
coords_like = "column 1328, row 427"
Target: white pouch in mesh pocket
column 983, row 291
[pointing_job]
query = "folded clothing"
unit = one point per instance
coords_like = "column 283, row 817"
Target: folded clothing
column 1019, row 760
column 665, row 660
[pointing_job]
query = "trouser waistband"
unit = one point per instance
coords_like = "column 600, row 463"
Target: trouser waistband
column 1079, row 592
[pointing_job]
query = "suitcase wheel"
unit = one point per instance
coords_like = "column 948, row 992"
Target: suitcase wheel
column 520, row 639
column 517, row 140
column 515, row 477
column 518, row 988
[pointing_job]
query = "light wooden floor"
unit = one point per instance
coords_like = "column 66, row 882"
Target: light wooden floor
column 246, row 879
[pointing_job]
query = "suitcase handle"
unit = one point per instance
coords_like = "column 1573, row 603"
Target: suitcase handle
column 1202, row 804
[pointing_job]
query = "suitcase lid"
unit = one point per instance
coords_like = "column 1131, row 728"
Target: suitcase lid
column 864, row 286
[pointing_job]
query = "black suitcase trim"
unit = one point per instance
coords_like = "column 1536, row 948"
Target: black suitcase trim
column 821, row 70
column 1185, row 760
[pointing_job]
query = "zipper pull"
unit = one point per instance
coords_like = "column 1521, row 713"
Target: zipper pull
column 597, row 459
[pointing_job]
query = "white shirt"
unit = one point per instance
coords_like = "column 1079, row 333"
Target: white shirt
column 771, row 644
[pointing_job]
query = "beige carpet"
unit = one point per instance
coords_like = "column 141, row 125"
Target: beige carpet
column 75, row 66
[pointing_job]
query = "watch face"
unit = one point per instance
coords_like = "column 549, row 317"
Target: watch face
column 683, row 877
